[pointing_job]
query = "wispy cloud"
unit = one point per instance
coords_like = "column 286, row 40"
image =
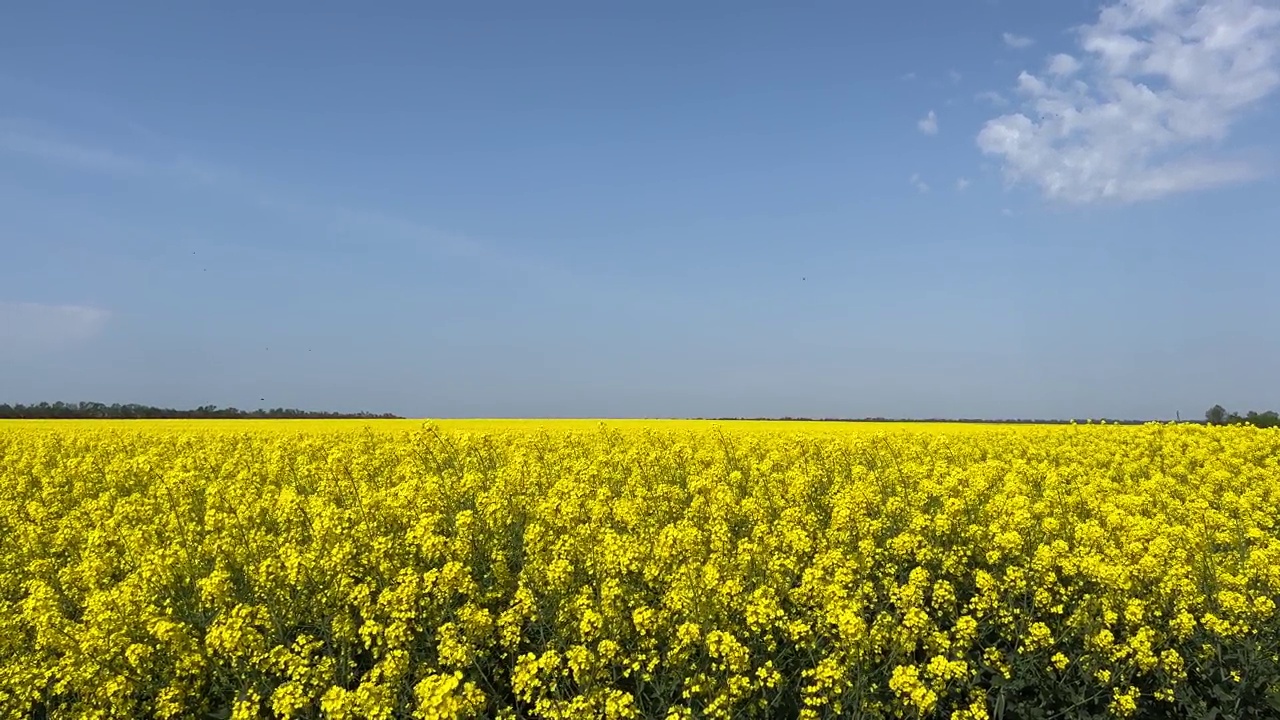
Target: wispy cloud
column 349, row 221
column 37, row 142
column 918, row 184
column 962, row 184
column 993, row 97
column 928, row 124
column 1062, row 65
column 1157, row 85
column 955, row 76
column 907, row 76
column 1017, row 41
column 30, row 326
column 53, row 150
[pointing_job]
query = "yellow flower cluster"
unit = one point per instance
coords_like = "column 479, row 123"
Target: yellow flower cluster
column 663, row 570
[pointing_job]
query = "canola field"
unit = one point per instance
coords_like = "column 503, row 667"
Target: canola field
column 644, row 569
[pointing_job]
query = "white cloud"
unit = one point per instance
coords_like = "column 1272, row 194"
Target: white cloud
column 1006, row 212
column 35, row 141
column 955, row 76
column 53, row 150
column 364, row 222
column 1017, row 41
column 919, row 184
column 992, row 97
column 28, row 326
column 908, row 76
column 1159, row 85
column 1062, row 65
column 928, row 124
column 962, row 184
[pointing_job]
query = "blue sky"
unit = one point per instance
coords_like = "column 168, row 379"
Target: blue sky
column 911, row 209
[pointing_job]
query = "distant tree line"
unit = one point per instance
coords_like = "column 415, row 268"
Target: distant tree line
column 1218, row 415
column 1019, row 421
column 132, row 411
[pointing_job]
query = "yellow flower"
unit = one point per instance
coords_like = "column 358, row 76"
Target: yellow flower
column 1124, row 703
column 1038, row 637
column 907, row 684
column 379, row 570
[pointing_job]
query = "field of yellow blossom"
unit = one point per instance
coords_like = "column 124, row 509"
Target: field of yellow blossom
column 656, row 569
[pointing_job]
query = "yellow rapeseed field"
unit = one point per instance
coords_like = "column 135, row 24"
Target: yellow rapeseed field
column 656, row 569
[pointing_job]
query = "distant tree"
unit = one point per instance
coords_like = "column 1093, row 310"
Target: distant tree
column 132, row 411
column 1217, row 415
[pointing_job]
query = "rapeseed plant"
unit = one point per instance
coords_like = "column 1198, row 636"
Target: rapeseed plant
column 637, row 570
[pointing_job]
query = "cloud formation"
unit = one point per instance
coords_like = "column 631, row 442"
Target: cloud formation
column 28, row 326
column 49, row 149
column 919, row 184
column 928, row 124
column 1017, row 41
column 993, row 97
column 962, row 184
column 1157, row 85
column 1062, row 65
column 36, row 142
